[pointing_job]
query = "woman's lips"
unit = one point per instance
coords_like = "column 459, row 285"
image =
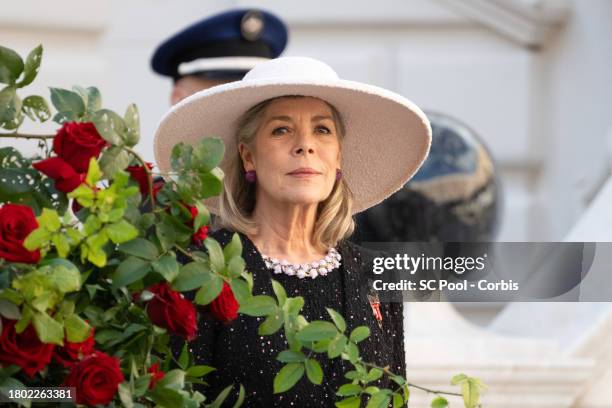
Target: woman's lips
column 304, row 172
column 304, row 175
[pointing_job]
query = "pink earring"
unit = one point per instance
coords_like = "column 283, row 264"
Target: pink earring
column 338, row 174
column 250, row 176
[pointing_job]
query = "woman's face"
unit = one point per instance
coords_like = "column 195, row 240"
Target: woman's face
column 296, row 151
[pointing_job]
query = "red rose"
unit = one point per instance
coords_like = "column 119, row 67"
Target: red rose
column 76, row 143
column 156, row 375
column 96, row 379
column 139, row 174
column 200, row 235
column 24, row 349
column 72, row 353
column 16, row 223
column 225, row 307
column 65, row 177
column 169, row 309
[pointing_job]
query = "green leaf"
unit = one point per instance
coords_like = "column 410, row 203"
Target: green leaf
column 208, row 154
column 166, row 397
column 65, row 276
column 93, row 172
column 112, row 160
column 166, row 234
column 349, row 389
column 32, row 66
column 439, row 402
column 209, row 290
column 9, row 310
column 183, row 360
column 241, row 290
column 215, row 254
column 259, row 305
column 279, row 291
column 11, row 65
column 336, row 346
column 65, row 100
column 174, row 379
column 337, row 319
column 211, row 183
column 398, row 401
column 36, row 108
column 130, row 270
column 379, row 400
column 240, row 399
column 271, row 324
column 77, row 329
column 49, row 219
column 317, row 330
column 236, row 267
column 233, row 248
column 192, row 276
column 63, row 117
column 314, row 371
column 83, row 194
column 287, row 377
column 141, row 385
column 470, row 391
column 371, row 390
column 459, row 378
column 110, row 126
column 360, row 333
column 26, row 318
column 11, row 295
column 220, row 397
column 167, row 266
column 291, row 356
column 201, row 220
column 294, row 305
column 121, row 231
column 354, row 374
column 94, row 99
column 48, row 329
column 141, row 248
column 352, row 353
column 180, row 157
column 36, row 239
column 199, row 370
column 125, row 395
column 351, row 402
column 10, row 107
column 374, row 374
column 62, row 244
column 132, row 123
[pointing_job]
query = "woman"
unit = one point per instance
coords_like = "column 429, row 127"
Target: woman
column 305, row 151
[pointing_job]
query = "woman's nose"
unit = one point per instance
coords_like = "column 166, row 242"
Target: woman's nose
column 304, row 143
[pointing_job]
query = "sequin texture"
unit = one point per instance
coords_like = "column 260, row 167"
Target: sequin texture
column 241, row 355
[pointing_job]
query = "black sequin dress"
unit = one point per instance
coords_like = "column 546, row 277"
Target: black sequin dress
column 241, row 355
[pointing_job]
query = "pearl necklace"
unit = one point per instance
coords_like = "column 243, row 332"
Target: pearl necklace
column 311, row 269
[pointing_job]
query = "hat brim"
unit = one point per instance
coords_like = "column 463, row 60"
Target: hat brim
column 387, row 136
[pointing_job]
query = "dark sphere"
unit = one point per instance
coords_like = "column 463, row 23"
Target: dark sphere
column 455, row 195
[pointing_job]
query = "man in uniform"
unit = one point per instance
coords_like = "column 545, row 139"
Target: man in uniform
column 219, row 49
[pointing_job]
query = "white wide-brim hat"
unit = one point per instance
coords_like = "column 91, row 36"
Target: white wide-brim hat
column 387, row 136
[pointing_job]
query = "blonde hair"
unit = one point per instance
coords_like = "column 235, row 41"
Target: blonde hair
column 334, row 215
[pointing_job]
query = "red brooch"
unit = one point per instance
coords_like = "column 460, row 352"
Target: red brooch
column 375, row 305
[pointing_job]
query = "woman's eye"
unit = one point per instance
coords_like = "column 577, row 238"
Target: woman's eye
column 280, row 131
column 323, row 129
